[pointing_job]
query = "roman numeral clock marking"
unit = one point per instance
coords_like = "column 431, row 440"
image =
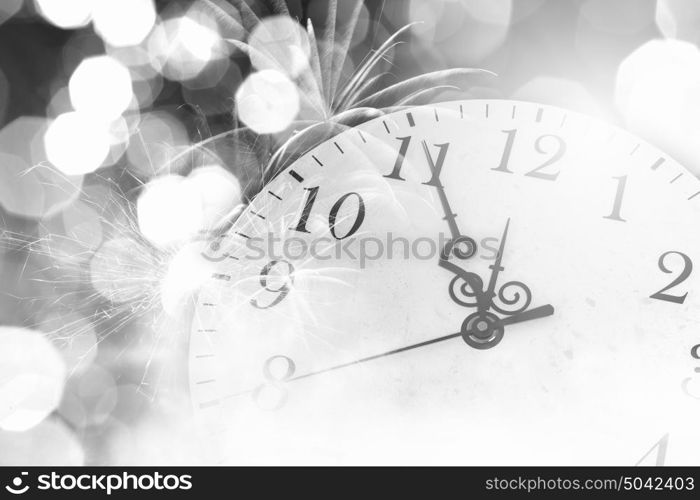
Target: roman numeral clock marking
column 436, row 165
column 617, row 206
column 403, row 149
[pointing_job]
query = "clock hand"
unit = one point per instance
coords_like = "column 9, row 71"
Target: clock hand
column 476, row 284
column 534, row 313
column 359, row 361
column 462, row 246
column 377, row 356
column 485, row 343
column 496, row 268
column 484, row 330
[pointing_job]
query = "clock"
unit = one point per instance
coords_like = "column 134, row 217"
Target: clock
column 472, row 282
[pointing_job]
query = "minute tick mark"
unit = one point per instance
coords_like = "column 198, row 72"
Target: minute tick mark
column 657, row 163
column 296, row 176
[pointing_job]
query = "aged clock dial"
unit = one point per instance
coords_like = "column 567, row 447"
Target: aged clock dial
column 474, row 282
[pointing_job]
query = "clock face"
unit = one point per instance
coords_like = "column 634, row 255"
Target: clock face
column 475, row 282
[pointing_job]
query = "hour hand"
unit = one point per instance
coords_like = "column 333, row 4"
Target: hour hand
column 530, row 314
column 484, row 330
column 461, row 246
column 445, row 263
column 465, row 286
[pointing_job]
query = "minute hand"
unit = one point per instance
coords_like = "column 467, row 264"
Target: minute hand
column 496, row 268
column 535, row 313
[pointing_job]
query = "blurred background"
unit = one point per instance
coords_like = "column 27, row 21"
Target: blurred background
column 118, row 150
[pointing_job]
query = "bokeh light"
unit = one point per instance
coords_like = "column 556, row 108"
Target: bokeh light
column 174, row 208
column 279, row 43
column 29, row 186
column 49, row 444
column 32, row 374
column 66, row 14
column 169, row 210
column 267, row 101
column 101, row 86
column 181, row 47
column 76, row 143
column 219, row 192
column 658, row 93
column 185, row 274
column 123, row 22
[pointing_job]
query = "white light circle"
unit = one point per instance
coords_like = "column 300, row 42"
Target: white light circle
column 219, row 191
column 658, row 93
column 186, row 272
column 49, row 444
column 267, row 101
column 32, row 376
column 101, row 86
column 121, row 23
column 169, row 211
column 65, row 14
column 182, row 47
column 279, row 42
column 77, row 144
